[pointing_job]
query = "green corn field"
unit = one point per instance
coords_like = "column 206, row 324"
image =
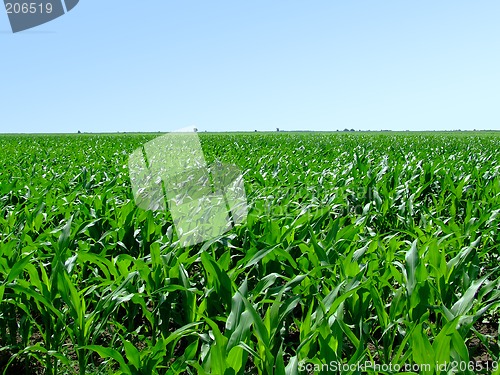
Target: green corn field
column 373, row 253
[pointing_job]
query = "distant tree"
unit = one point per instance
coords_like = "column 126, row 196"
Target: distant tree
column 352, row 130
column 255, row 130
column 277, row 129
column 79, row 132
column 195, row 130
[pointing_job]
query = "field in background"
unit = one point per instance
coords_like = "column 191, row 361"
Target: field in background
column 359, row 247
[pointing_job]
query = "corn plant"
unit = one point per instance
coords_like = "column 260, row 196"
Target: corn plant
column 378, row 248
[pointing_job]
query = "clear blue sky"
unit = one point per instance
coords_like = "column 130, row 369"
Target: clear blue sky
column 159, row 65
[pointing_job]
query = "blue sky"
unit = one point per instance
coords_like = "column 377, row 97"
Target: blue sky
column 159, row 65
